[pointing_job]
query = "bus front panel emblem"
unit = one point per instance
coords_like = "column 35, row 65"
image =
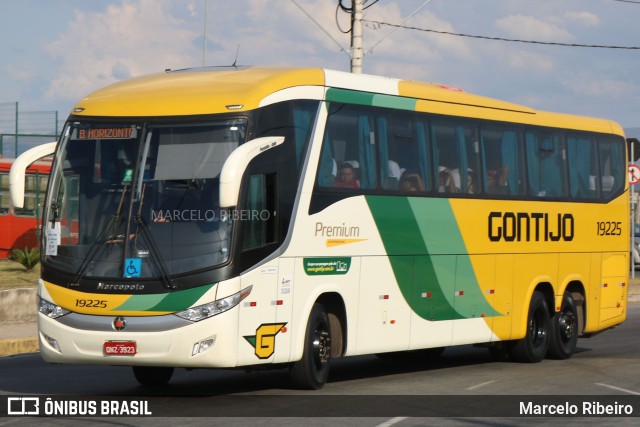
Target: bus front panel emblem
column 119, row 323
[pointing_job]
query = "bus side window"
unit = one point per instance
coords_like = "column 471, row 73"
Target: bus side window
column 502, row 162
column 583, row 167
column 35, row 188
column 258, row 216
column 546, row 161
column 350, row 139
column 456, row 156
column 4, row 194
column 612, row 166
column 406, row 151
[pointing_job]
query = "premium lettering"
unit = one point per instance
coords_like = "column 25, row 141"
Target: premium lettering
column 530, row 227
column 336, row 230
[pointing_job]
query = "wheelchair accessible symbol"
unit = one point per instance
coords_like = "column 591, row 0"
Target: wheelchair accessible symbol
column 132, row 267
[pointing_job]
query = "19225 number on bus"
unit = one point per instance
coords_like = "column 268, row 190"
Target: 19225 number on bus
column 91, row 303
column 609, row 228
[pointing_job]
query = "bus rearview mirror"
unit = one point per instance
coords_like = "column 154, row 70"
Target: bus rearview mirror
column 235, row 165
column 19, row 167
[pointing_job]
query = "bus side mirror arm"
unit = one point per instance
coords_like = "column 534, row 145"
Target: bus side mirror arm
column 19, row 167
column 236, row 164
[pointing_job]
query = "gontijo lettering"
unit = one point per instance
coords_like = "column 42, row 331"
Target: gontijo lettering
column 530, row 226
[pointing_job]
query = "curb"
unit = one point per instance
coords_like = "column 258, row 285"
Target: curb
column 13, row 346
column 18, row 305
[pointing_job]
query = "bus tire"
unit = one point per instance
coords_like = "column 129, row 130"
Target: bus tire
column 564, row 330
column 311, row 372
column 533, row 347
column 152, row 376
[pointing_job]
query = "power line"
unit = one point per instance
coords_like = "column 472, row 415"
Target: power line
column 380, row 23
column 628, row 1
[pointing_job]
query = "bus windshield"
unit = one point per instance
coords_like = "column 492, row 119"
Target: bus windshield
column 136, row 200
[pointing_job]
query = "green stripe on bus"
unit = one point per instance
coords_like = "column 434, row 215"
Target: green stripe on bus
column 349, row 96
column 366, row 98
column 442, row 235
column 408, row 256
column 141, row 302
column 181, row 300
column 429, row 258
column 171, row 302
column 396, row 102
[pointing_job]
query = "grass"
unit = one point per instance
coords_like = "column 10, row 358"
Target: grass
column 13, row 275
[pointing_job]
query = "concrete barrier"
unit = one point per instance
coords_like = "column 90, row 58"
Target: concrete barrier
column 18, row 305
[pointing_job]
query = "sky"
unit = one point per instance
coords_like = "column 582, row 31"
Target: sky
column 55, row 52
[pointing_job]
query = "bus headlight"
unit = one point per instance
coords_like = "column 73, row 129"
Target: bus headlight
column 195, row 314
column 50, row 309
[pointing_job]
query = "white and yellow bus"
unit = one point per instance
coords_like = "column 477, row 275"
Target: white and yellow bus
column 263, row 216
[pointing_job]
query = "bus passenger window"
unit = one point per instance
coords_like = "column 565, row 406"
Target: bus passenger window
column 502, row 161
column 258, row 217
column 456, row 150
column 350, row 139
column 583, row 166
column 612, row 166
column 4, row 194
column 546, row 164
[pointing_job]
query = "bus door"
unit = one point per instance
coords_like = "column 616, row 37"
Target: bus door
column 258, row 327
column 259, row 231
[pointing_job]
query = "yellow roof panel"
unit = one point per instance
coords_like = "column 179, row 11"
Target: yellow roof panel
column 194, row 92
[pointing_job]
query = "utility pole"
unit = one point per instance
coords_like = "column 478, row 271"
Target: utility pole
column 357, row 53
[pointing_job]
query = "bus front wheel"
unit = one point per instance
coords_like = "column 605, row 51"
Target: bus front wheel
column 533, row 347
column 152, row 376
column 312, row 371
column 564, row 330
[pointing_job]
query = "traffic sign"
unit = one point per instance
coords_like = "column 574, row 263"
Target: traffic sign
column 634, row 174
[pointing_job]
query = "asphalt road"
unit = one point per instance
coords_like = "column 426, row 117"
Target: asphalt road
column 362, row 391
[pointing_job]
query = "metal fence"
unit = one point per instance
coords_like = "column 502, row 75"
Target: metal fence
column 21, row 130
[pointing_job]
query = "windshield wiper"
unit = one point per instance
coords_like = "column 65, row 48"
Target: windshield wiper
column 112, row 224
column 151, row 243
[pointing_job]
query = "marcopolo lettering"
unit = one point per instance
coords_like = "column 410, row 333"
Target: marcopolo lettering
column 120, row 286
column 530, row 226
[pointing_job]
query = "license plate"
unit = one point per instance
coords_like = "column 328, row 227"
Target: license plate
column 119, row 348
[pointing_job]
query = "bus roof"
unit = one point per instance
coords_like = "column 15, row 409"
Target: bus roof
column 212, row 90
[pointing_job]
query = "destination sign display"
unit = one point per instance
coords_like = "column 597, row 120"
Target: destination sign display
column 106, row 133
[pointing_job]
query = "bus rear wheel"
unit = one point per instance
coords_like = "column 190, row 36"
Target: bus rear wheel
column 533, row 347
column 564, row 330
column 152, row 376
column 312, row 371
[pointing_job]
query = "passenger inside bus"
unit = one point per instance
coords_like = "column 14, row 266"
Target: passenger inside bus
column 497, row 180
column 411, row 181
column 471, row 182
column 346, row 177
column 446, row 182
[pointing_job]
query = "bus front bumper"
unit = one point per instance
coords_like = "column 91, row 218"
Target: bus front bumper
column 144, row 341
